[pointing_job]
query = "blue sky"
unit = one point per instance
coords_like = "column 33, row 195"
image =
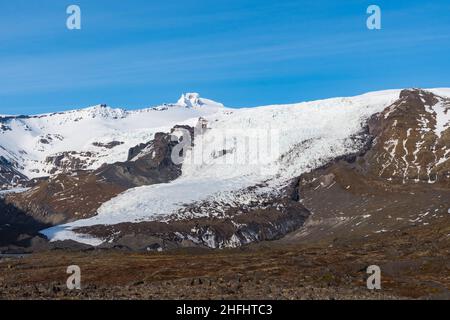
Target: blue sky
column 138, row 53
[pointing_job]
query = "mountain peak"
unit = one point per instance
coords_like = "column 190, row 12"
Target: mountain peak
column 193, row 100
column 190, row 100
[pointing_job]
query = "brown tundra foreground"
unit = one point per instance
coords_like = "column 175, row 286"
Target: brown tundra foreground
column 415, row 264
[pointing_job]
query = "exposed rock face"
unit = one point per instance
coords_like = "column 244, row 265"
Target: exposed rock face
column 402, row 180
column 412, row 140
column 49, row 139
column 9, row 176
column 68, row 162
column 69, row 197
column 108, row 145
column 147, row 164
column 71, row 161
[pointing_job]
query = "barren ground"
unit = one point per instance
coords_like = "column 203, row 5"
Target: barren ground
column 415, row 264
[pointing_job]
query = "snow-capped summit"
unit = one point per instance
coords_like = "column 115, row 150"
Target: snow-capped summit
column 193, row 100
column 189, row 100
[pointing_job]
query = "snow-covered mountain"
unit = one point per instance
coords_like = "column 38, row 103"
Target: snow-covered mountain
column 224, row 194
column 43, row 145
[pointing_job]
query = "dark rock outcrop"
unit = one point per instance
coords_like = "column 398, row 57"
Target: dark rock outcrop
column 9, row 175
column 147, row 164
